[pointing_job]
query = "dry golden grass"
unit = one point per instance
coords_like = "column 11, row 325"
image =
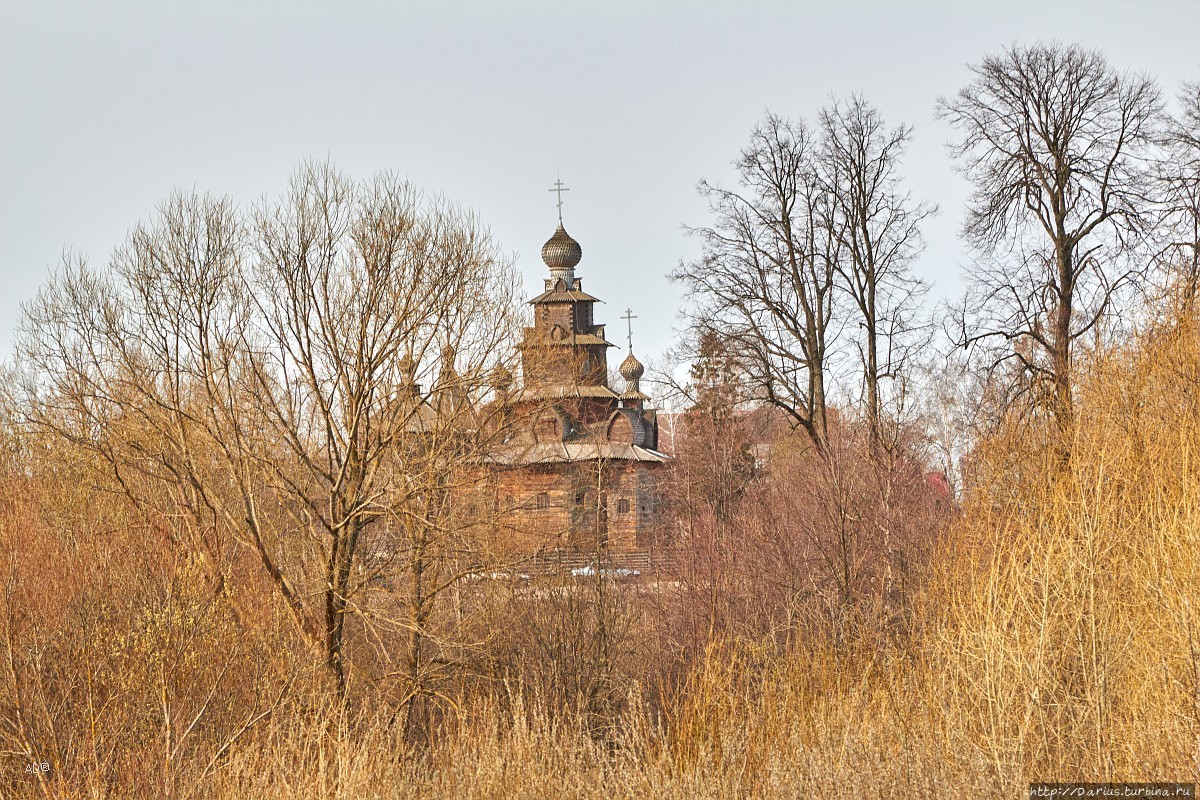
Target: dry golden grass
column 1069, row 652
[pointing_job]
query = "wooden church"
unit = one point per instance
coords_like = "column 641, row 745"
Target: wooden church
column 580, row 469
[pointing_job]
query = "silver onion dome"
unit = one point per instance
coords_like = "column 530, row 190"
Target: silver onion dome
column 632, row 369
column 560, row 252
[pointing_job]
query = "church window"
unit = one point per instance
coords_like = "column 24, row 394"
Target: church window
column 580, row 497
column 542, row 501
column 623, row 506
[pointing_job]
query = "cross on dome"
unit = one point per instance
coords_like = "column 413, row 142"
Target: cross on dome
column 629, row 318
column 559, row 189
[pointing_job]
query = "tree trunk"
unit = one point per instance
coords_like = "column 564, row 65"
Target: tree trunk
column 1063, row 404
column 871, row 379
column 341, row 560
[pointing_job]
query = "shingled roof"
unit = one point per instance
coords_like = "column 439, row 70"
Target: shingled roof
column 563, row 452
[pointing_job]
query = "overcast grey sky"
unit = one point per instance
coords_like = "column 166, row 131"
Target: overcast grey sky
column 105, row 107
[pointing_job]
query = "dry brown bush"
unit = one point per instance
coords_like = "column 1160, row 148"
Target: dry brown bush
column 123, row 664
column 832, row 543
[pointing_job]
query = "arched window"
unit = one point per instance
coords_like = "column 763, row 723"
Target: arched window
column 623, row 506
column 543, row 501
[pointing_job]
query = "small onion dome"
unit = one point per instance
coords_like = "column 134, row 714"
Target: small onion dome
column 448, row 356
column 502, row 378
column 632, row 369
column 408, row 368
column 561, row 251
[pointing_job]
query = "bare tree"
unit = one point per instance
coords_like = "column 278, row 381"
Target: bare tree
column 765, row 281
column 1178, row 174
column 1054, row 140
column 877, row 227
column 704, row 487
column 264, row 367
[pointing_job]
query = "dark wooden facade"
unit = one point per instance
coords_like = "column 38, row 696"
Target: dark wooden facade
column 580, row 471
